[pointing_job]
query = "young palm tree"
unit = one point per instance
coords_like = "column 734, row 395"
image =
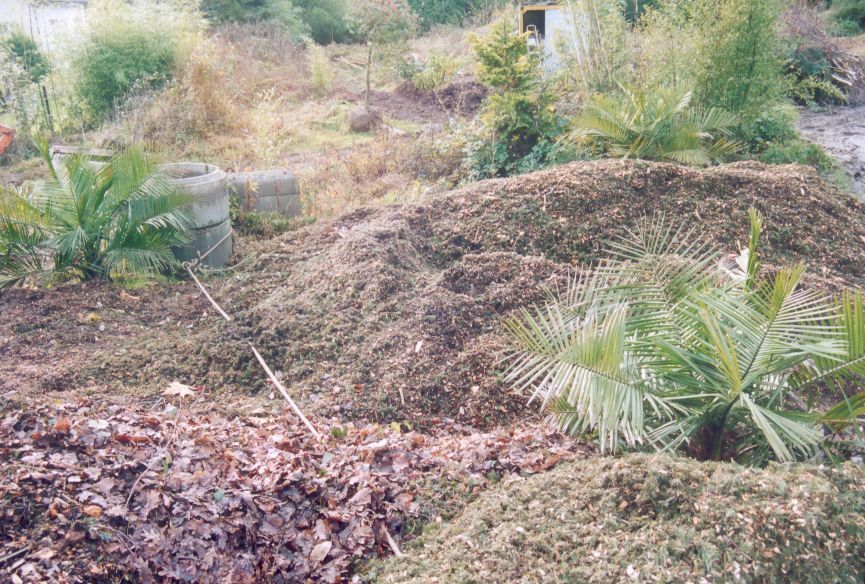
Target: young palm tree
column 92, row 220
column 658, row 126
column 660, row 347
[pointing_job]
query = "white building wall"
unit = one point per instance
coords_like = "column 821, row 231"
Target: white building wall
column 47, row 23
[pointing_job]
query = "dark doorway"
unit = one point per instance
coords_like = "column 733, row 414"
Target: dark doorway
column 536, row 18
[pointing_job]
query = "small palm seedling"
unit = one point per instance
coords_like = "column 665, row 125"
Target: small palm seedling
column 659, row 347
column 659, row 126
column 92, row 221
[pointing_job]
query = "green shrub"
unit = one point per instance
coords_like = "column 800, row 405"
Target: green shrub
column 110, row 65
column 773, row 126
column 408, row 66
column 739, row 56
column 381, row 21
column 23, row 101
column 432, row 12
column 634, row 9
column 849, row 11
column 606, row 50
column 519, row 113
column 662, row 125
column 810, row 60
column 90, row 221
column 846, row 28
column 809, row 53
column 549, row 151
column 283, row 12
column 320, row 68
column 812, row 90
column 27, row 53
column 437, row 71
column 325, row 19
column 798, row 152
column 808, row 154
column 665, row 346
column 668, row 39
column 128, row 48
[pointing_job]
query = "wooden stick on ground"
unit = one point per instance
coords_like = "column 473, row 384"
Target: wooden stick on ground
column 212, row 301
column 392, row 543
column 284, row 393
column 14, row 554
column 258, row 356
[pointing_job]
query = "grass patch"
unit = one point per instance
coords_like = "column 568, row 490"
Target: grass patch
column 266, row 225
column 809, row 154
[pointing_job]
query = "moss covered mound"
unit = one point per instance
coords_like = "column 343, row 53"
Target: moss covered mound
column 394, row 313
column 652, row 519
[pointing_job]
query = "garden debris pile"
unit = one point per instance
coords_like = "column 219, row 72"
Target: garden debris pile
column 647, row 518
column 394, row 313
column 178, row 492
column 463, row 98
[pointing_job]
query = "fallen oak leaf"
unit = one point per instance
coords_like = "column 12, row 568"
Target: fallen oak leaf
column 62, row 425
column 319, row 552
column 126, row 296
column 131, row 439
column 179, row 389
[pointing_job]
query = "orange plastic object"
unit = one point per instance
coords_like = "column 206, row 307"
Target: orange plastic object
column 6, row 136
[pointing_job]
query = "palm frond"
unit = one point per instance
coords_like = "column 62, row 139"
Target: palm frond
column 784, row 436
column 845, row 413
column 659, row 126
column 95, row 219
column 580, row 368
column 23, row 232
column 654, row 347
column 847, row 326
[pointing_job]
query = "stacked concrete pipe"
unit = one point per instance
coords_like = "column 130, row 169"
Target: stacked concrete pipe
column 211, row 225
column 267, row 191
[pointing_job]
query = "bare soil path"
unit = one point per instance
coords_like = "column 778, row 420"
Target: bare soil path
column 841, row 132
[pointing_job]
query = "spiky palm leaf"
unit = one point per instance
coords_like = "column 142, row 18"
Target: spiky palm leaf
column 92, row 220
column 658, row 347
column 22, row 229
column 658, row 126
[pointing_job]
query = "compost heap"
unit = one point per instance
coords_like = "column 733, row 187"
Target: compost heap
column 389, row 315
column 394, row 314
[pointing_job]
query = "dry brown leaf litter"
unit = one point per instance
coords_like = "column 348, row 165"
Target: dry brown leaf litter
column 178, row 493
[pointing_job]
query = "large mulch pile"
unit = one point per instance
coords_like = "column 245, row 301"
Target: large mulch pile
column 179, row 493
column 394, row 313
column 652, row 519
column 384, row 323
